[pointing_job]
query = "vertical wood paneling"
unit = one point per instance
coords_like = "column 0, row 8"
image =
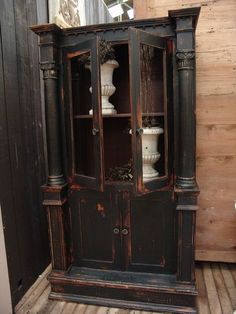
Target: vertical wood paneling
column 13, row 163
column 22, row 157
column 37, row 12
column 216, row 121
column 96, row 12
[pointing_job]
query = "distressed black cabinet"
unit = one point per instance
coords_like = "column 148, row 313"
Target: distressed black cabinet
column 122, row 240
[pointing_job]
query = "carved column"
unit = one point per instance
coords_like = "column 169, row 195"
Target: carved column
column 186, row 190
column 50, row 68
column 187, row 124
column 55, row 191
column 50, row 76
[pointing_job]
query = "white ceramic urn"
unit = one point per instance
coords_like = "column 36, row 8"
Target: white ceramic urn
column 150, row 154
column 107, row 87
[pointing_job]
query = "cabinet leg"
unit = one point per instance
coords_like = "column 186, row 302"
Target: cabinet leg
column 186, row 242
column 58, row 215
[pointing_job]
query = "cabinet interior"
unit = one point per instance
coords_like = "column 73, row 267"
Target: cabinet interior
column 117, row 140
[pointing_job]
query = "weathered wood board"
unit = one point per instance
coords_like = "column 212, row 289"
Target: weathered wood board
column 216, row 121
column 22, row 165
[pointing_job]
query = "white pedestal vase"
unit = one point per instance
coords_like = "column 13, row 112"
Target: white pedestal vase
column 150, row 152
column 107, row 87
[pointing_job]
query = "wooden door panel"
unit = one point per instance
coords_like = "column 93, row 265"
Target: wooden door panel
column 147, row 225
column 95, row 225
column 152, row 236
column 94, row 216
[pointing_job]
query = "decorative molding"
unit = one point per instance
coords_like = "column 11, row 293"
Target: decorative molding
column 67, row 13
column 186, row 13
column 185, row 59
column 48, row 65
column 187, row 207
column 185, row 54
column 154, row 23
column 50, row 74
column 50, row 70
column 186, row 183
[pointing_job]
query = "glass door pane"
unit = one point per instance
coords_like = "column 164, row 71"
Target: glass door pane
column 116, row 125
column 82, row 121
column 149, row 127
column 86, row 125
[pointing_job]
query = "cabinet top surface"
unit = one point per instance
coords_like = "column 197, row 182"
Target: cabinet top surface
column 172, row 15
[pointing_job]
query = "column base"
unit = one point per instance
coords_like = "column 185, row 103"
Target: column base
column 56, row 180
column 186, row 183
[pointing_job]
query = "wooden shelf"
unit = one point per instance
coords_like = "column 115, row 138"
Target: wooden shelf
column 119, row 115
column 153, row 114
column 84, row 116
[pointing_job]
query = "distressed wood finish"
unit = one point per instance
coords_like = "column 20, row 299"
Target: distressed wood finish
column 49, row 65
column 126, row 244
column 215, row 115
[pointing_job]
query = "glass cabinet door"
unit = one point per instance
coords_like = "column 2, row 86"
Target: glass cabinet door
column 149, row 110
column 84, row 97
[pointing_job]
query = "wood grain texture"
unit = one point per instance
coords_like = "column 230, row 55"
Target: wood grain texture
column 214, row 302
column 229, row 283
column 69, row 308
column 81, row 309
column 33, row 294
column 210, row 255
column 221, row 289
column 216, row 120
column 202, row 302
column 22, row 149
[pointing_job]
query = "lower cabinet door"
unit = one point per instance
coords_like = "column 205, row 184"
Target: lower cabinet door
column 151, row 243
column 95, row 230
column 116, row 231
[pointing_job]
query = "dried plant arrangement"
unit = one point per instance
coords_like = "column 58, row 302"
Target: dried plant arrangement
column 106, row 52
column 150, row 122
column 121, row 173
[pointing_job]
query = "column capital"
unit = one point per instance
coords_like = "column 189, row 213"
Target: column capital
column 185, row 59
column 185, row 54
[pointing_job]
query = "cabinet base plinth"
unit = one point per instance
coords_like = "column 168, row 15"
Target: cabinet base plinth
column 129, row 290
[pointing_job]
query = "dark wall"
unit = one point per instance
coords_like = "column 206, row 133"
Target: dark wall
column 22, row 157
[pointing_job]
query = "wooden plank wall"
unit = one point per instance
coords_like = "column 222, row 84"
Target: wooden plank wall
column 22, row 165
column 96, row 12
column 216, row 121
